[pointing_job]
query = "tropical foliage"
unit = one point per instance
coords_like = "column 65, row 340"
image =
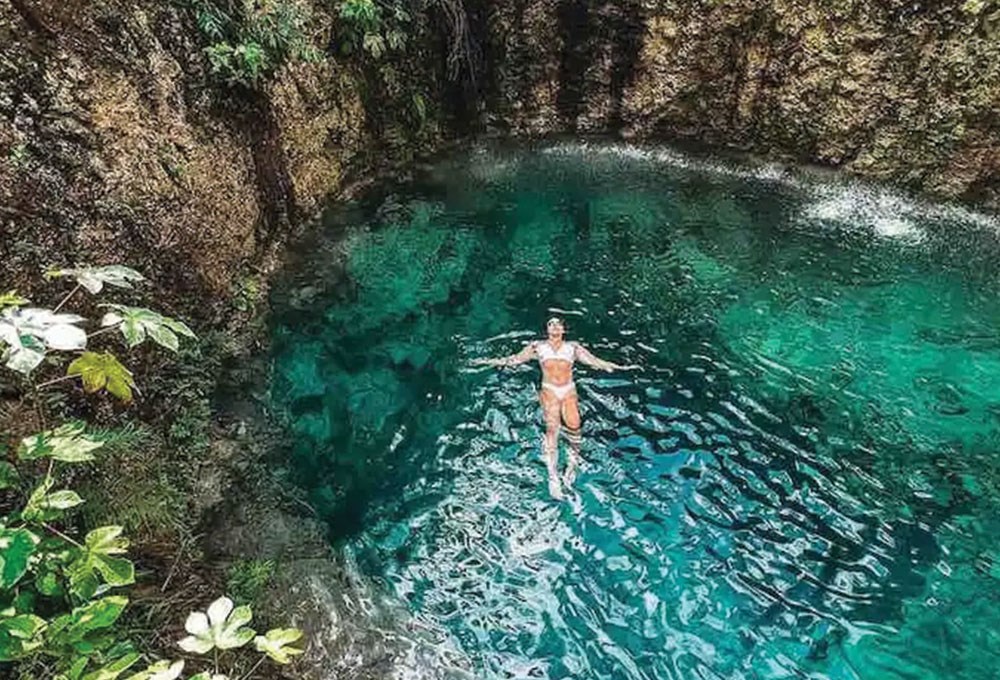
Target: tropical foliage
column 63, row 590
column 250, row 39
column 373, row 26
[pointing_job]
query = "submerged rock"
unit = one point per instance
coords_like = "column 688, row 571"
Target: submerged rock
column 357, row 632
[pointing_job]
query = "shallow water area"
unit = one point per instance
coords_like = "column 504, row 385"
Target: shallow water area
column 803, row 482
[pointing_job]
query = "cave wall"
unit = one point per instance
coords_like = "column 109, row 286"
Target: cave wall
column 117, row 145
column 906, row 92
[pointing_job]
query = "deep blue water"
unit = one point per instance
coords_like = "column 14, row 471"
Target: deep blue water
column 803, row 483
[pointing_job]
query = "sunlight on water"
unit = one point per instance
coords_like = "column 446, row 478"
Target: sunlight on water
column 803, row 483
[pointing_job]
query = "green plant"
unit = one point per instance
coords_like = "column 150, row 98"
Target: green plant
column 248, row 292
column 133, row 484
column 18, row 155
column 247, row 579
column 60, row 591
column 373, row 26
column 223, row 627
column 250, row 39
column 55, row 603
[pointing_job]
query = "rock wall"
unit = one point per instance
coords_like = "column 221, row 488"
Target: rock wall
column 899, row 90
column 117, row 145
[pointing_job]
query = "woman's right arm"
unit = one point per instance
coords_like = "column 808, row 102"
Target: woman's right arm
column 526, row 354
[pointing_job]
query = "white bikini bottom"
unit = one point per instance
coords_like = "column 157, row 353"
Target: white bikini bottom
column 561, row 391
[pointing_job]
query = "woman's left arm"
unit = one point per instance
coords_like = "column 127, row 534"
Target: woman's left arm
column 585, row 356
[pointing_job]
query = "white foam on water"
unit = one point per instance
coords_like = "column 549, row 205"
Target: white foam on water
column 885, row 214
column 849, row 203
column 888, row 213
column 766, row 172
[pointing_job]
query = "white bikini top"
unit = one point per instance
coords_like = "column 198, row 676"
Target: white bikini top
column 566, row 352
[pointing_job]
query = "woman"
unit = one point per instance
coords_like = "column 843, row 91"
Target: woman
column 558, row 394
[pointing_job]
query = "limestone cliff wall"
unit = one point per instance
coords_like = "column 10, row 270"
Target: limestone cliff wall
column 116, row 144
column 897, row 90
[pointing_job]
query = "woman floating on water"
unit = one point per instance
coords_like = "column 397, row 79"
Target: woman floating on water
column 558, row 394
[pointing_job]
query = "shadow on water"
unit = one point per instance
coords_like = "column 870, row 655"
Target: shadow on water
column 804, row 481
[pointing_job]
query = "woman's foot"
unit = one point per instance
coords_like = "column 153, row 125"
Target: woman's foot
column 569, row 476
column 555, row 488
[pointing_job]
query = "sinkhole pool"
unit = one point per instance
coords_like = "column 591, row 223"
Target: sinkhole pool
column 804, row 482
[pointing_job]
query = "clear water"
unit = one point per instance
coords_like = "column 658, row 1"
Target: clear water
column 804, row 483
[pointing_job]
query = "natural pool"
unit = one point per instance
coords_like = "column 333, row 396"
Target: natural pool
column 803, row 483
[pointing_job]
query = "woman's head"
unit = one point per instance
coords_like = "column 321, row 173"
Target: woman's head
column 555, row 328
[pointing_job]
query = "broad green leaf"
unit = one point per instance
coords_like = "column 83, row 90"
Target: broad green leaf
column 82, row 582
column 94, row 278
column 68, row 443
column 138, row 323
column 70, row 629
column 77, row 667
column 103, row 371
column 32, row 509
column 23, row 626
column 20, row 636
column 16, row 548
column 106, row 540
column 222, row 627
column 161, row 670
column 62, row 500
column 8, row 475
column 276, row 644
column 11, row 299
column 164, row 337
column 116, row 571
column 26, row 333
column 43, row 505
column 101, row 544
column 97, row 556
column 112, row 670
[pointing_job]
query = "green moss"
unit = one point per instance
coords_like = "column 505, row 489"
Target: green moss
column 246, row 580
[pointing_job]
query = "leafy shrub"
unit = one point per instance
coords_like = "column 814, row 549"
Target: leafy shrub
column 188, row 386
column 373, row 26
column 250, row 39
column 61, row 593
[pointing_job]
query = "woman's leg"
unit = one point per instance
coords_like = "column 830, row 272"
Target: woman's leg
column 571, row 418
column 550, row 444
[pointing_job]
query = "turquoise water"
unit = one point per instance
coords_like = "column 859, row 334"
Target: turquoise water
column 803, row 483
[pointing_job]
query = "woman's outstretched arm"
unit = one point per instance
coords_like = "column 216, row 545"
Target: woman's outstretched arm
column 526, row 354
column 586, row 357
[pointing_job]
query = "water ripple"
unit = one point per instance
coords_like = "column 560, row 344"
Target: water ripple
column 802, row 483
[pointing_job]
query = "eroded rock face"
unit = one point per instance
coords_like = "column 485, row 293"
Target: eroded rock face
column 116, row 145
column 901, row 91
